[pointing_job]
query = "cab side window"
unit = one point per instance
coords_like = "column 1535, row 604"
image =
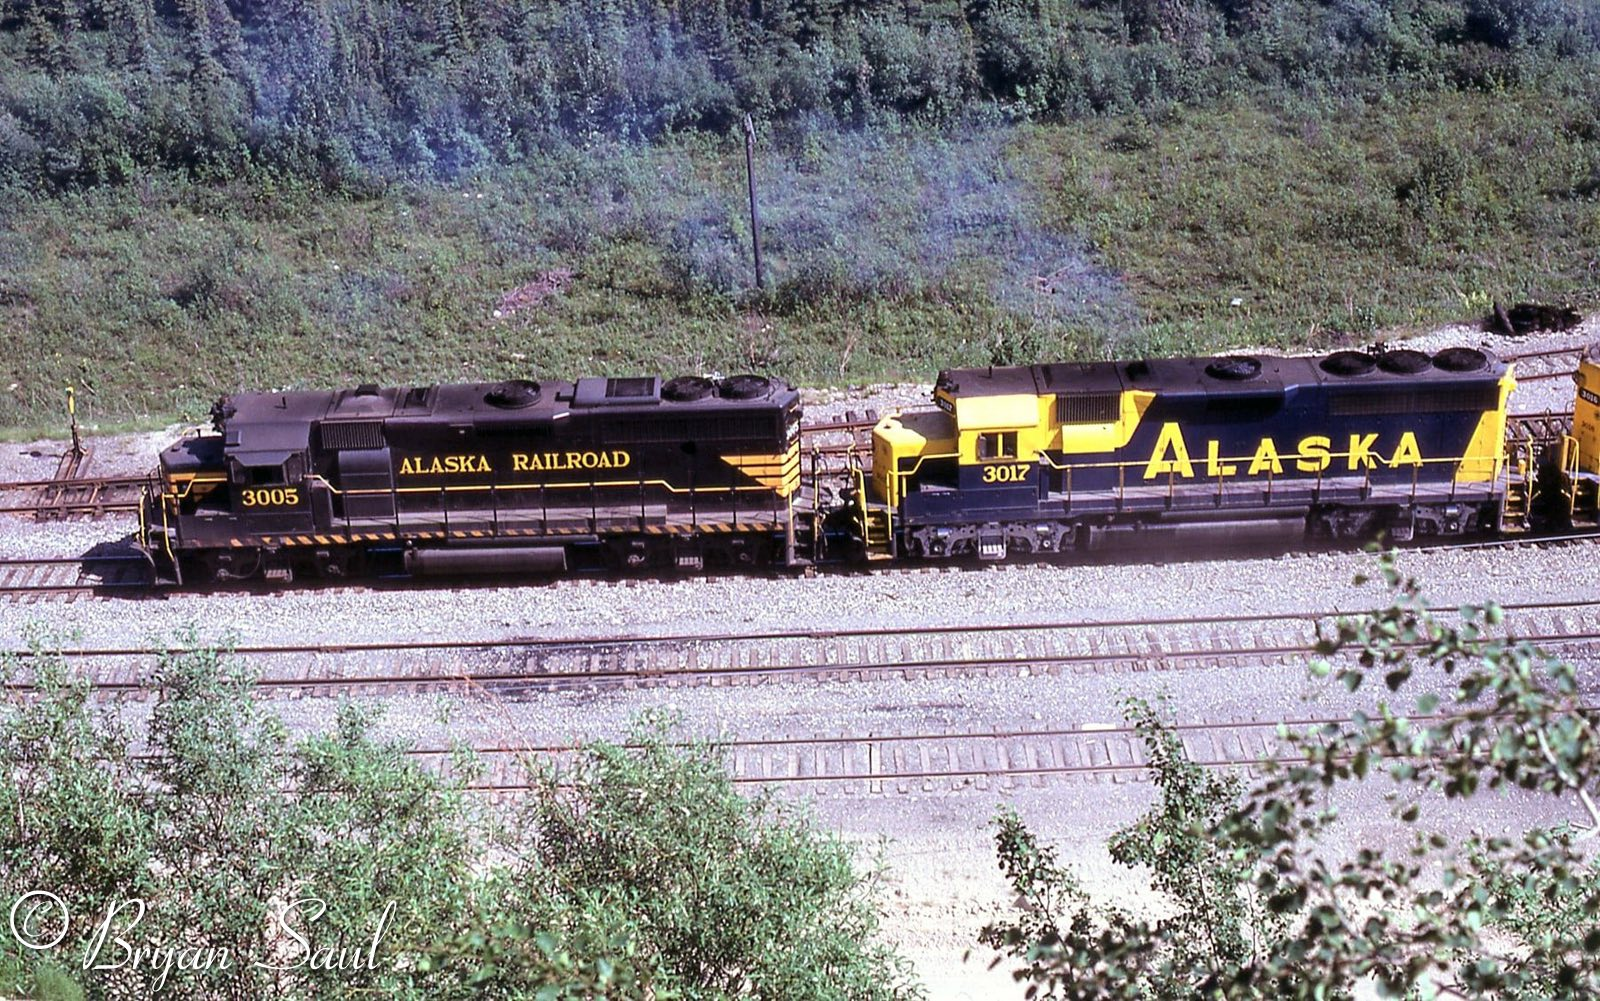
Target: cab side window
column 997, row 445
column 290, row 470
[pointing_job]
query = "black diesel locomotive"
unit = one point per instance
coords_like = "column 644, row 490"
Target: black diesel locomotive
column 523, row 477
column 519, row 477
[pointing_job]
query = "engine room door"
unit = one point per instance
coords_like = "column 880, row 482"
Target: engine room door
column 366, row 484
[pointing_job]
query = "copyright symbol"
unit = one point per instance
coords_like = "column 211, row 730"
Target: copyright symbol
column 32, row 917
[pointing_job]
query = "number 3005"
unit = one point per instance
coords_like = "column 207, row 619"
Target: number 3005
column 271, row 496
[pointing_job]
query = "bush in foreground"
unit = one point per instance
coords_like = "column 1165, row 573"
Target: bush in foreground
column 1260, row 907
column 217, row 856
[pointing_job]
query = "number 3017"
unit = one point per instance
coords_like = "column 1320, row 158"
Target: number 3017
column 1004, row 474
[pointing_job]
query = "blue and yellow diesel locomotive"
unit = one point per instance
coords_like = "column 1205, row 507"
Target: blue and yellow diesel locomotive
column 1053, row 458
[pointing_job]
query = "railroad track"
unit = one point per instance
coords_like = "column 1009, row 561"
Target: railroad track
column 909, row 762
column 518, row 668
column 851, row 422
column 944, row 762
column 72, row 497
column 71, row 577
column 1551, row 363
column 1543, row 427
column 829, row 447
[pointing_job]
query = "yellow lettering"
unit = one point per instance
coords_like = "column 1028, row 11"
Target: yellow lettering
column 1170, row 439
column 1214, row 464
column 413, row 466
column 1266, row 457
column 270, row 496
column 1314, row 454
column 1406, row 453
column 551, row 462
column 1361, row 451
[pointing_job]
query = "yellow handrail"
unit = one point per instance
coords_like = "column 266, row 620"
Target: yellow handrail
column 1569, row 472
column 861, row 502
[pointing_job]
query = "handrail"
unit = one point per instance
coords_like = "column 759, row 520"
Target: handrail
column 1569, row 472
column 482, row 487
column 861, row 502
column 166, row 543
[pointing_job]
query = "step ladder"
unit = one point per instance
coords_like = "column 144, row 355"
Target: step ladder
column 877, row 531
column 1584, row 493
column 806, row 540
column 1580, row 488
column 1516, row 503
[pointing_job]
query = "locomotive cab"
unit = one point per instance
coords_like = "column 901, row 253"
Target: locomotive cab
column 193, row 468
column 993, row 449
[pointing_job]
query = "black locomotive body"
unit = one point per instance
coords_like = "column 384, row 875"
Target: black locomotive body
column 1048, row 458
column 514, row 476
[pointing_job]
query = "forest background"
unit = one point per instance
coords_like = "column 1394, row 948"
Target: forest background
column 198, row 196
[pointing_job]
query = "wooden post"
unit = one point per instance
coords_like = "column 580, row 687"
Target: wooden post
column 750, row 177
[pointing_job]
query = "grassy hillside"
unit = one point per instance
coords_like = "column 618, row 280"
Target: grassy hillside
column 889, row 256
column 1327, row 223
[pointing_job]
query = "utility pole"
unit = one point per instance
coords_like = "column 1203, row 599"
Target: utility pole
column 750, row 176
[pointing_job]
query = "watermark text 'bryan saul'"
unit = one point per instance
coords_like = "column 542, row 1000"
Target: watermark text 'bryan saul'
column 40, row 921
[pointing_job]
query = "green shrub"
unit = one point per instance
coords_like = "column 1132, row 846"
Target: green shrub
column 345, row 868
column 1258, row 902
